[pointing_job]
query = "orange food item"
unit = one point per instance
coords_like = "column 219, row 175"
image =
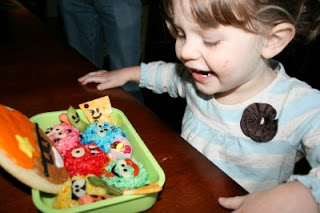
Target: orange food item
column 97, row 110
column 18, row 139
column 151, row 188
column 133, row 165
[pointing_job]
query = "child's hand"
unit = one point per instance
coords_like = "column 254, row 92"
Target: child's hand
column 106, row 79
column 291, row 197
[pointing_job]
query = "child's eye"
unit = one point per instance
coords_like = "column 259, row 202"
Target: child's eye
column 211, row 44
column 180, row 35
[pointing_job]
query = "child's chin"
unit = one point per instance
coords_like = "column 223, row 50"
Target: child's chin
column 205, row 90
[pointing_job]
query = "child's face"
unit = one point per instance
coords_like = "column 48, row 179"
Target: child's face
column 222, row 60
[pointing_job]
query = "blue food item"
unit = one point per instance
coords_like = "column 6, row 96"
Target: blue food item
column 102, row 134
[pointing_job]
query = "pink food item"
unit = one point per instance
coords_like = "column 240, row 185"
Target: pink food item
column 64, row 136
column 85, row 199
column 120, row 148
column 85, row 160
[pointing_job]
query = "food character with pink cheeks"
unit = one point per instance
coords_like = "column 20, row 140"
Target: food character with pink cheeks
column 64, row 136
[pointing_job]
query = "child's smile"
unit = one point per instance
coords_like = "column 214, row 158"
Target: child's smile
column 200, row 75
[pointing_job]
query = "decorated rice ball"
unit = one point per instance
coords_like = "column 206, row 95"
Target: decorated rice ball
column 74, row 190
column 85, row 160
column 64, row 136
column 125, row 173
column 101, row 133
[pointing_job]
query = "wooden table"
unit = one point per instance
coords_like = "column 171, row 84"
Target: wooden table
column 38, row 73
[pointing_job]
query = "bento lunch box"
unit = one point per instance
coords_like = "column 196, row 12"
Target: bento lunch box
column 124, row 203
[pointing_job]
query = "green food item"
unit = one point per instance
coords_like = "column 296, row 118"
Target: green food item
column 75, row 120
column 128, row 173
column 97, row 181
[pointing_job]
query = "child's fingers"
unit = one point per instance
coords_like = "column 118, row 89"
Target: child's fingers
column 90, row 74
column 96, row 77
column 104, row 79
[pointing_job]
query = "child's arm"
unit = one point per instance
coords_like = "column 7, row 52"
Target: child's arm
column 116, row 78
column 290, row 197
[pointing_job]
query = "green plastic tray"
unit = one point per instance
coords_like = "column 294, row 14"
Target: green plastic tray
column 125, row 203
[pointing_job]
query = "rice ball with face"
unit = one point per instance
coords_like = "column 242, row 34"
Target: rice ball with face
column 102, row 134
column 77, row 190
column 125, row 173
column 64, row 136
column 85, row 160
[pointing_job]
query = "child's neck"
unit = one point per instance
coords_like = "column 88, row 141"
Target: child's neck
column 247, row 91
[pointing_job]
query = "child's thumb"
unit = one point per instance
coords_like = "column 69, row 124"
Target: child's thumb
column 231, row 202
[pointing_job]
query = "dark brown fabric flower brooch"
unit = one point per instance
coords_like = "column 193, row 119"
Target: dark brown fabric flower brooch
column 258, row 122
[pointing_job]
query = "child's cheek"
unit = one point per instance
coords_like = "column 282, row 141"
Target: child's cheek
column 222, row 60
column 225, row 69
column 225, row 64
column 222, row 66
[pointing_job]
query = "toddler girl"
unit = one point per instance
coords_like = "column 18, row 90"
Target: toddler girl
column 244, row 113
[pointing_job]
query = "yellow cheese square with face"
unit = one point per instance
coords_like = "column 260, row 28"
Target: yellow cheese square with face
column 97, row 110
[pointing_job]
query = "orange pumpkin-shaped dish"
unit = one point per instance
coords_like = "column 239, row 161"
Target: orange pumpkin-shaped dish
column 28, row 154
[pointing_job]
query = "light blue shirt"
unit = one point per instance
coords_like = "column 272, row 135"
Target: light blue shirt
column 214, row 129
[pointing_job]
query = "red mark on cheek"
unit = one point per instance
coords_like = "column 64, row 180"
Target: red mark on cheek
column 225, row 64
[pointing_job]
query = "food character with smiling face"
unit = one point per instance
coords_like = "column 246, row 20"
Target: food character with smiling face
column 125, row 173
column 97, row 110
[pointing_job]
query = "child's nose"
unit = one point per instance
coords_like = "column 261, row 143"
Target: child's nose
column 189, row 51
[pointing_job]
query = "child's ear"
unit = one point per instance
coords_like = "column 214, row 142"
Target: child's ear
column 278, row 39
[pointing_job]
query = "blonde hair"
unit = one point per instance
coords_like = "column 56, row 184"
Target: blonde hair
column 256, row 16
